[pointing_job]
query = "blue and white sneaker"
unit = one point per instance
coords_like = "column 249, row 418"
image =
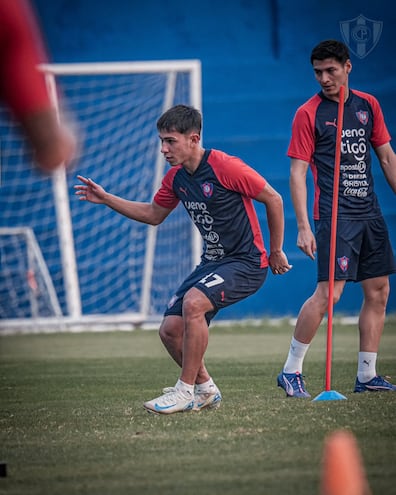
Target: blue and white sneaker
column 292, row 384
column 172, row 401
column 376, row 384
column 207, row 400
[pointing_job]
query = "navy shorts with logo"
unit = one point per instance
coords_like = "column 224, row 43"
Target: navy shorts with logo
column 223, row 282
column 363, row 249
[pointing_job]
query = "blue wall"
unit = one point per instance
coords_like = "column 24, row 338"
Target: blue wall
column 256, row 72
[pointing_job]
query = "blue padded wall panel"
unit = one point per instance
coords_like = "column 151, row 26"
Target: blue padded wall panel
column 256, row 72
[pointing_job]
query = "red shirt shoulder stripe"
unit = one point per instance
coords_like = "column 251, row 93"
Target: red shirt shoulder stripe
column 302, row 143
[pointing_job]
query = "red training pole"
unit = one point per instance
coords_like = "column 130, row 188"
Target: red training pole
column 333, row 237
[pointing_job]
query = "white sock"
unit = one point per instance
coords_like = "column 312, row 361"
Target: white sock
column 186, row 389
column 204, row 387
column 366, row 366
column 295, row 358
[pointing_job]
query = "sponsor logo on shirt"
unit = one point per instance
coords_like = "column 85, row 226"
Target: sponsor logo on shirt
column 203, row 219
column 333, row 123
column 354, row 176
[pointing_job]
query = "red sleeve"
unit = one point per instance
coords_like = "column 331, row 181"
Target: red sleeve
column 302, row 143
column 165, row 196
column 380, row 134
column 22, row 85
column 235, row 175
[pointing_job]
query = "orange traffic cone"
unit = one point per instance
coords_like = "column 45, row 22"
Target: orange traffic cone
column 342, row 468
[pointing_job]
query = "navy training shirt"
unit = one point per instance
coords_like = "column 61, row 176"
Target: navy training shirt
column 218, row 197
column 314, row 140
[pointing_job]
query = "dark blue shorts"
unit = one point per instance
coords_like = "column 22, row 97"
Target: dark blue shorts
column 223, row 282
column 363, row 249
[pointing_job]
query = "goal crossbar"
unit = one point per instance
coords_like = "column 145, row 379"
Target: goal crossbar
column 144, row 67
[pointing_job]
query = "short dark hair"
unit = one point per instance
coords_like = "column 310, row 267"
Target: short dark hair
column 180, row 118
column 330, row 49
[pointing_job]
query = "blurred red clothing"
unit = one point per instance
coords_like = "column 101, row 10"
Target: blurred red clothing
column 22, row 85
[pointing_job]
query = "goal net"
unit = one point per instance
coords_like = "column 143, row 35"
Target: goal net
column 26, row 286
column 98, row 266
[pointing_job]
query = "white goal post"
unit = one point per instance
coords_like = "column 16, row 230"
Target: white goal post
column 27, row 288
column 104, row 270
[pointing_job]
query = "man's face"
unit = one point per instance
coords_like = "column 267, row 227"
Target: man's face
column 177, row 148
column 331, row 75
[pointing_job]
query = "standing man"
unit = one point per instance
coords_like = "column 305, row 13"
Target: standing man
column 217, row 191
column 363, row 251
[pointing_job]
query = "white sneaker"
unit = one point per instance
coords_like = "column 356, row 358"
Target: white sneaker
column 172, row 400
column 207, row 400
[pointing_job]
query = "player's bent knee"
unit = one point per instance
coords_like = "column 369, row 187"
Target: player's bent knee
column 171, row 327
column 195, row 304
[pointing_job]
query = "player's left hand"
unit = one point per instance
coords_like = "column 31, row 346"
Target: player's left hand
column 278, row 263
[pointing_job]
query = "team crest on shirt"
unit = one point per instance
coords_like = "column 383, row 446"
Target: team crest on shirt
column 207, row 189
column 343, row 263
column 362, row 116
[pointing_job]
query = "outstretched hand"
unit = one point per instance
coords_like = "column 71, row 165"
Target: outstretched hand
column 90, row 191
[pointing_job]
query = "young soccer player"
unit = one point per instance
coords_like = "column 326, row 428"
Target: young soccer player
column 217, row 191
column 363, row 252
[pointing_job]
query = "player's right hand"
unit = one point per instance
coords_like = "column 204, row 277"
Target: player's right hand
column 307, row 243
column 90, row 191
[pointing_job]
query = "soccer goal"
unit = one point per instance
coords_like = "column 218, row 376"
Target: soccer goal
column 27, row 290
column 100, row 269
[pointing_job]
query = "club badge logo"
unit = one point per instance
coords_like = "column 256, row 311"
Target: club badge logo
column 361, row 34
column 207, row 189
column 343, row 263
column 362, row 116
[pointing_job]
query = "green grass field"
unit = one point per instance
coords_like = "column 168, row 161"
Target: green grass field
column 72, row 421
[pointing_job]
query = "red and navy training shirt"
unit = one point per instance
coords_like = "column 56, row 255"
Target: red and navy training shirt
column 314, row 139
column 218, row 197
